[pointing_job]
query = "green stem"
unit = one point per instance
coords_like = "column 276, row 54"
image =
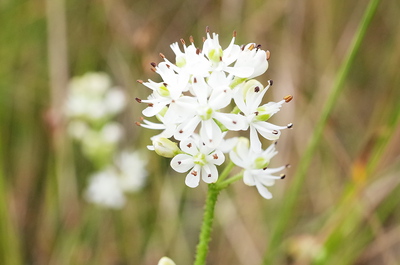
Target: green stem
column 226, row 172
column 206, row 227
column 290, row 202
column 223, row 184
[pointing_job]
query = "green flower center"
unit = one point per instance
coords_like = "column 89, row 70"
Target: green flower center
column 200, row 159
column 163, row 91
column 215, row 55
column 260, row 162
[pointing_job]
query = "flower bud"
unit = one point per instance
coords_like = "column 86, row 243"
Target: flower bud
column 166, row 261
column 165, row 147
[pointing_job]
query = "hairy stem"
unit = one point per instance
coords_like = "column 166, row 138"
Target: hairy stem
column 206, row 227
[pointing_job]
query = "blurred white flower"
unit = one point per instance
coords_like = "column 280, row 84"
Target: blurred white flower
column 112, row 132
column 115, row 100
column 77, row 129
column 105, row 190
column 107, row 187
column 133, row 173
column 91, row 97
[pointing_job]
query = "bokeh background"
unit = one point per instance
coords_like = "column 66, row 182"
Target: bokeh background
column 347, row 210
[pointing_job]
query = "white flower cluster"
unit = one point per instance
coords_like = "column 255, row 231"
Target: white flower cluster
column 91, row 105
column 127, row 174
column 204, row 95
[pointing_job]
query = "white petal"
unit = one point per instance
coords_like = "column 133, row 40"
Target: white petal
column 216, row 158
column 218, row 80
column 227, row 145
column 193, row 177
column 186, row 129
column 237, row 160
column 240, row 71
column 182, row 163
column 220, row 98
column 248, row 178
column 253, row 98
column 209, row 173
column 274, row 170
column 200, row 89
column 189, row 146
column 233, row 122
column 266, row 181
column 255, row 143
column 268, row 130
column 150, row 111
column 263, row 190
column 210, row 133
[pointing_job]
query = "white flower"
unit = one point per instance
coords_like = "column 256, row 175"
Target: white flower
column 91, row 97
column 248, row 97
column 207, row 113
column 190, row 62
column 91, row 83
column 252, row 57
column 104, row 189
column 200, row 160
column 101, row 143
column 107, row 187
column 165, row 93
column 221, row 59
column 132, row 170
column 255, row 166
column 193, row 104
column 77, row 129
column 115, row 101
column 112, row 132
